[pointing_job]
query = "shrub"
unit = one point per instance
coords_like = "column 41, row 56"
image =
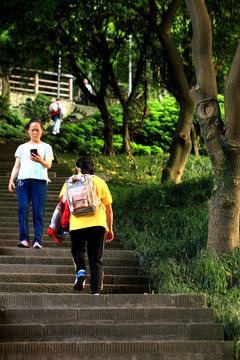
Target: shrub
column 37, row 108
column 159, row 127
column 78, row 138
column 12, row 123
column 157, row 130
column 4, row 105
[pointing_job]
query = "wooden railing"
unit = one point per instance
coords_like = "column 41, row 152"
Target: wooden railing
column 44, row 82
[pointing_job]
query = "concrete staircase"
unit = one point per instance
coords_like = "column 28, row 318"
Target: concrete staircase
column 42, row 317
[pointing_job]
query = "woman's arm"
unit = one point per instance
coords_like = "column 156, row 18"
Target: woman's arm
column 109, row 212
column 14, row 174
column 45, row 163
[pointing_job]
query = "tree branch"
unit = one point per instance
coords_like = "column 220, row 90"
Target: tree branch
column 232, row 100
column 169, row 15
column 202, row 51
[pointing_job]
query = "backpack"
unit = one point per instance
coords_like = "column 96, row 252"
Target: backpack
column 55, row 106
column 81, row 195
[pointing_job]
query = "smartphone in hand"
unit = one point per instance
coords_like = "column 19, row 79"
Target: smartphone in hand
column 33, row 151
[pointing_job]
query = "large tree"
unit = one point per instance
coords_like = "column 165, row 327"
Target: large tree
column 107, row 26
column 40, row 29
column 160, row 15
column 222, row 139
column 178, row 85
column 90, row 36
column 169, row 23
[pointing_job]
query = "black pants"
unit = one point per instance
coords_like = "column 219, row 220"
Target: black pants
column 85, row 100
column 91, row 240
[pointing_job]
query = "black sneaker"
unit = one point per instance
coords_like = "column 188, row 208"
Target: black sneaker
column 80, row 280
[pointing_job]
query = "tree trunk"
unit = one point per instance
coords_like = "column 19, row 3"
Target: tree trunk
column 181, row 146
column 182, row 143
column 6, row 87
column 194, row 141
column 6, row 91
column 108, row 130
column 127, row 101
column 99, row 101
column 223, row 145
column 126, row 149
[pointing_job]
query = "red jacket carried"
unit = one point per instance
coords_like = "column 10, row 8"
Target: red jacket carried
column 59, row 222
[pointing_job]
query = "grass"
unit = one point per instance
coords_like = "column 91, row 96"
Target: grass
column 166, row 224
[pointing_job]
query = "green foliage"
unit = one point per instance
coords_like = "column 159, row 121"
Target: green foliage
column 12, row 123
column 226, row 36
column 37, row 108
column 78, row 138
column 159, row 128
column 4, row 105
column 10, row 131
column 156, row 134
column 87, row 137
column 169, row 239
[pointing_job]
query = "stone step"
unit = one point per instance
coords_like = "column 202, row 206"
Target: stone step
column 4, row 179
column 21, row 300
column 119, row 350
column 58, row 168
column 39, row 260
column 55, row 166
column 52, row 194
column 7, row 225
column 109, row 315
column 58, row 179
column 11, row 199
column 6, row 221
column 52, row 174
column 85, row 331
column 52, row 191
column 12, row 240
column 68, row 278
column 56, row 176
column 12, row 212
column 62, row 269
column 68, row 288
column 60, row 252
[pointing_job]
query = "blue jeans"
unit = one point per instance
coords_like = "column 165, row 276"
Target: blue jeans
column 57, row 123
column 36, row 190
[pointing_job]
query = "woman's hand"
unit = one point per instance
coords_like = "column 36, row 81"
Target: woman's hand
column 37, row 158
column 11, row 186
column 14, row 174
column 109, row 236
column 109, row 213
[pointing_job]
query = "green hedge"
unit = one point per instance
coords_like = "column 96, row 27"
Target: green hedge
column 87, row 137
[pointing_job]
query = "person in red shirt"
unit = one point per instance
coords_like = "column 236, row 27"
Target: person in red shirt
column 56, row 115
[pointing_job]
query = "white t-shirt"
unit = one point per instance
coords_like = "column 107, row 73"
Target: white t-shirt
column 89, row 87
column 30, row 169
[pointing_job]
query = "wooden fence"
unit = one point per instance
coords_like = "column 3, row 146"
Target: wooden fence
column 44, row 82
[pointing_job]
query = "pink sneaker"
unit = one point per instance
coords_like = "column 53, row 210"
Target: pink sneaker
column 23, row 244
column 36, row 245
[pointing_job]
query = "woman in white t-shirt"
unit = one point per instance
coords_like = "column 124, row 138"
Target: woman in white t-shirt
column 84, row 99
column 33, row 159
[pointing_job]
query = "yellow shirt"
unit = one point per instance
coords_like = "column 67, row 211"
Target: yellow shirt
column 93, row 219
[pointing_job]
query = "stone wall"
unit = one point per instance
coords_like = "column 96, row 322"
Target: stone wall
column 69, row 107
column 17, row 98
